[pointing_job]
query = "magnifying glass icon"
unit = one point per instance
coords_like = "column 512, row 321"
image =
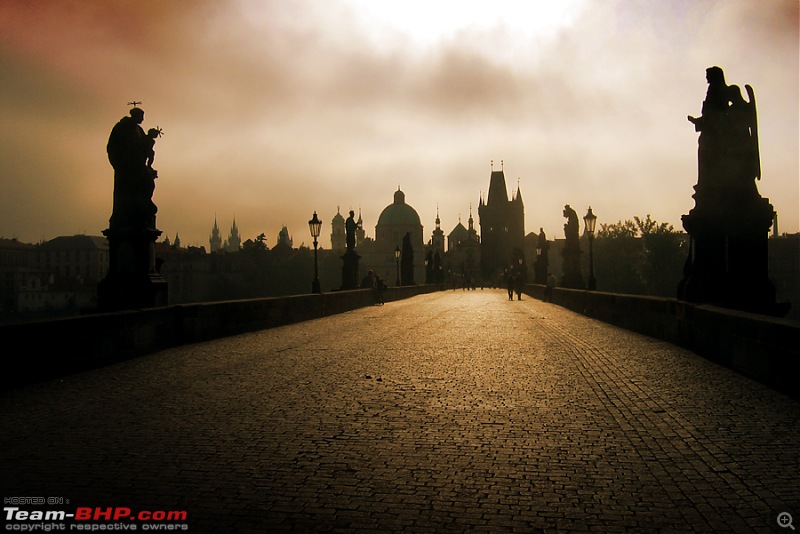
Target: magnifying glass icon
column 785, row 520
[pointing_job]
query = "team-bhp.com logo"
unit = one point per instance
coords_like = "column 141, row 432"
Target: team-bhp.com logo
column 94, row 518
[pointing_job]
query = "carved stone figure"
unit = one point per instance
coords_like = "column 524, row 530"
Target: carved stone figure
column 130, row 152
column 133, row 279
column 727, row 262
column 727, row 153
column 571, row 227
column 350, row 227
column 571, row 253
column 350, row 258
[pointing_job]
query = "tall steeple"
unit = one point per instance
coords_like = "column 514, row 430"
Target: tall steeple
column 234, row 240
column 215, row 241
column 437, row 239
column 361, row 234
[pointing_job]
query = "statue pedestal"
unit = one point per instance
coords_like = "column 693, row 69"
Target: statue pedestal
column 540, row 268
column 728, row 257
column 132, row 280
column 572, row 278
column 350, row 278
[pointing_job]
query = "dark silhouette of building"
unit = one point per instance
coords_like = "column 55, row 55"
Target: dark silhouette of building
column 54, row 278
column 396, row 219
column 463, row 258
column 337, row 233
column 502, row 224
column 232, row 244
column 284, row 238
column 784, row 270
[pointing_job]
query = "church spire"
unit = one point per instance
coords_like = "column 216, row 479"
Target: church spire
column 215, row 240
column 518, row 197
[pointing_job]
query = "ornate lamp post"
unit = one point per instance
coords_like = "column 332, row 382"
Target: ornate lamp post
column 315, row 225
column 590, row 220
column 397, row 260
column 537, row 267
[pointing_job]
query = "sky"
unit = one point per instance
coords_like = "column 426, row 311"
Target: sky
column 274, row 109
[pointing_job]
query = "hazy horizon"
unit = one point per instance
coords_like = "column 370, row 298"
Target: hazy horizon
column 272, row 111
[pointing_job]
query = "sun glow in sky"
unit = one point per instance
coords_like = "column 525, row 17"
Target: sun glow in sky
column 274, row 110
column 430, row 23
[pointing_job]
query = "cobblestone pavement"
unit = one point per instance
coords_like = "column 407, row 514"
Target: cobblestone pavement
column 449, row 412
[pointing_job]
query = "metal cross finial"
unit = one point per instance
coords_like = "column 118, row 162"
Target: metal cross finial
column 135, row 103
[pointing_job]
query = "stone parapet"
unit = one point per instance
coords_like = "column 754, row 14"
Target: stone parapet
column 761, row 347
column 43, row 350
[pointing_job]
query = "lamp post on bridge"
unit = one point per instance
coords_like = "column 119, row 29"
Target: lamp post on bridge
column 315, row 225
column 590, row 220
column 537, row 267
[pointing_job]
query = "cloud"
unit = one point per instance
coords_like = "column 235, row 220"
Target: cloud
column 272, row 110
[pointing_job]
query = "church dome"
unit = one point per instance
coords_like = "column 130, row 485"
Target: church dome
column 399, row 213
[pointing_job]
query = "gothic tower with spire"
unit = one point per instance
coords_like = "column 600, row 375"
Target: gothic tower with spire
column 502, row 224
column 234, row 241
column 215, row 241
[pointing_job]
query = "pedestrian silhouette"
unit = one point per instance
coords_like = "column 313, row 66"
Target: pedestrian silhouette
column 380, row 286
column 368, row 282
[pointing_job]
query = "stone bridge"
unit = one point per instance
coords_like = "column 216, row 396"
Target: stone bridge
column 446, row 412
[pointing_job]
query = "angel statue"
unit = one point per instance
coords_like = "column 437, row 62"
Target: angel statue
column 727, row 154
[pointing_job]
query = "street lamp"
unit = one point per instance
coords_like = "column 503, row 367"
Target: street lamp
column 314, row 225
column 590, row 220
column 397, row 260
column 537, row 267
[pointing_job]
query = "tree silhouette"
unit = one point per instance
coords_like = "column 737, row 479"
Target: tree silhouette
column 639, row 256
